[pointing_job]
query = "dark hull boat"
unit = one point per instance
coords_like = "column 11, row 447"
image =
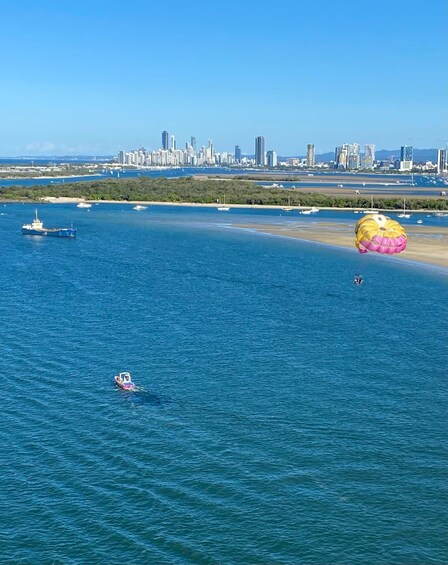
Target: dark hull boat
column 37, row 228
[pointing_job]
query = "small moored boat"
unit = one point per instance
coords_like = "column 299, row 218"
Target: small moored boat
column 37, row 228
column 124, row 381
column 223, row 207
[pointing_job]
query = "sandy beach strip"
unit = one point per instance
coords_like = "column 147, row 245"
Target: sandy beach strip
column 425, row 244
column 68, row 200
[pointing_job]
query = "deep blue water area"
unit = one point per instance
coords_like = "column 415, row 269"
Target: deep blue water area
column 283, row 415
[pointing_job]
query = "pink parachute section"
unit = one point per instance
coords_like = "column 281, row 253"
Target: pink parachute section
column 383, row 244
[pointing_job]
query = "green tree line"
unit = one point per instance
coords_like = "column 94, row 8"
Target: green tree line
column 208, row 191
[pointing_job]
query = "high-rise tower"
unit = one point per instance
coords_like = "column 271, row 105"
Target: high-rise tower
column 165, row 140
column 369, row 156
column 442, row 166
column 406, row 157
column 310, row 155
column 271, row 159
column 260, row 154
column 237, row 154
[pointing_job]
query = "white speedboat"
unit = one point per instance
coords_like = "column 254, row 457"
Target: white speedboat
column 124, row 381
column 140, row 207
column 84, row 205
column 312, row 210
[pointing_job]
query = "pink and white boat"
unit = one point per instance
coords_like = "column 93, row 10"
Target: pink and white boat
column 124, row 381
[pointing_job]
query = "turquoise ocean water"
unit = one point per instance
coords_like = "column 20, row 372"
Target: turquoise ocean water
column 284, row 417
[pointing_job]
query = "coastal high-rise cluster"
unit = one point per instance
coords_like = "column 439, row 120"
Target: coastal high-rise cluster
column 170, row 156
column 347, row 157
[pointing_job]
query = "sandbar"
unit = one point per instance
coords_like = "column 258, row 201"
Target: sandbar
column 426, row 244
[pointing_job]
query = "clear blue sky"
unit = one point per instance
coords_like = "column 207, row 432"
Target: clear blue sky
column 95, row 77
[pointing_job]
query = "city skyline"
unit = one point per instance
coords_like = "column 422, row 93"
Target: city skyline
column 92, row 78
column 347, row 156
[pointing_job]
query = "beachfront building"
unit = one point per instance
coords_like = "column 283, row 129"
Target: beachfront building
column 165, row 140
column 442, row 158
column 406, row 157
column 369, row 156
column 260, row 153
column 310, row 158
column 271, row 159
column 193, row 143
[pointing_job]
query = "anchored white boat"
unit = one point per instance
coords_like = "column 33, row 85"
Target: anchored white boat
column 288, row 208
column 372, row 210
column 403, row 214
column 140, row 207
column 84, row 205
column 223, row 208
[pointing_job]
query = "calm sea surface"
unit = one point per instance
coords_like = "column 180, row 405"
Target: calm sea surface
column 284, row 416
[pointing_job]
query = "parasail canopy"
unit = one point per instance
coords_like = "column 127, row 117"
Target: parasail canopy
column 379, row 233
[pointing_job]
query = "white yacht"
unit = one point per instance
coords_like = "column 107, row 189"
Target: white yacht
column 83, row 205
column 140, row 207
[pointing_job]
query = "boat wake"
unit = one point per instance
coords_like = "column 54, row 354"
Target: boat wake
column 140, row 396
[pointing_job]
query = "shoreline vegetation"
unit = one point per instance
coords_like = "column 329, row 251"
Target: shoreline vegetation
column 426, row 244
column 205, row 190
